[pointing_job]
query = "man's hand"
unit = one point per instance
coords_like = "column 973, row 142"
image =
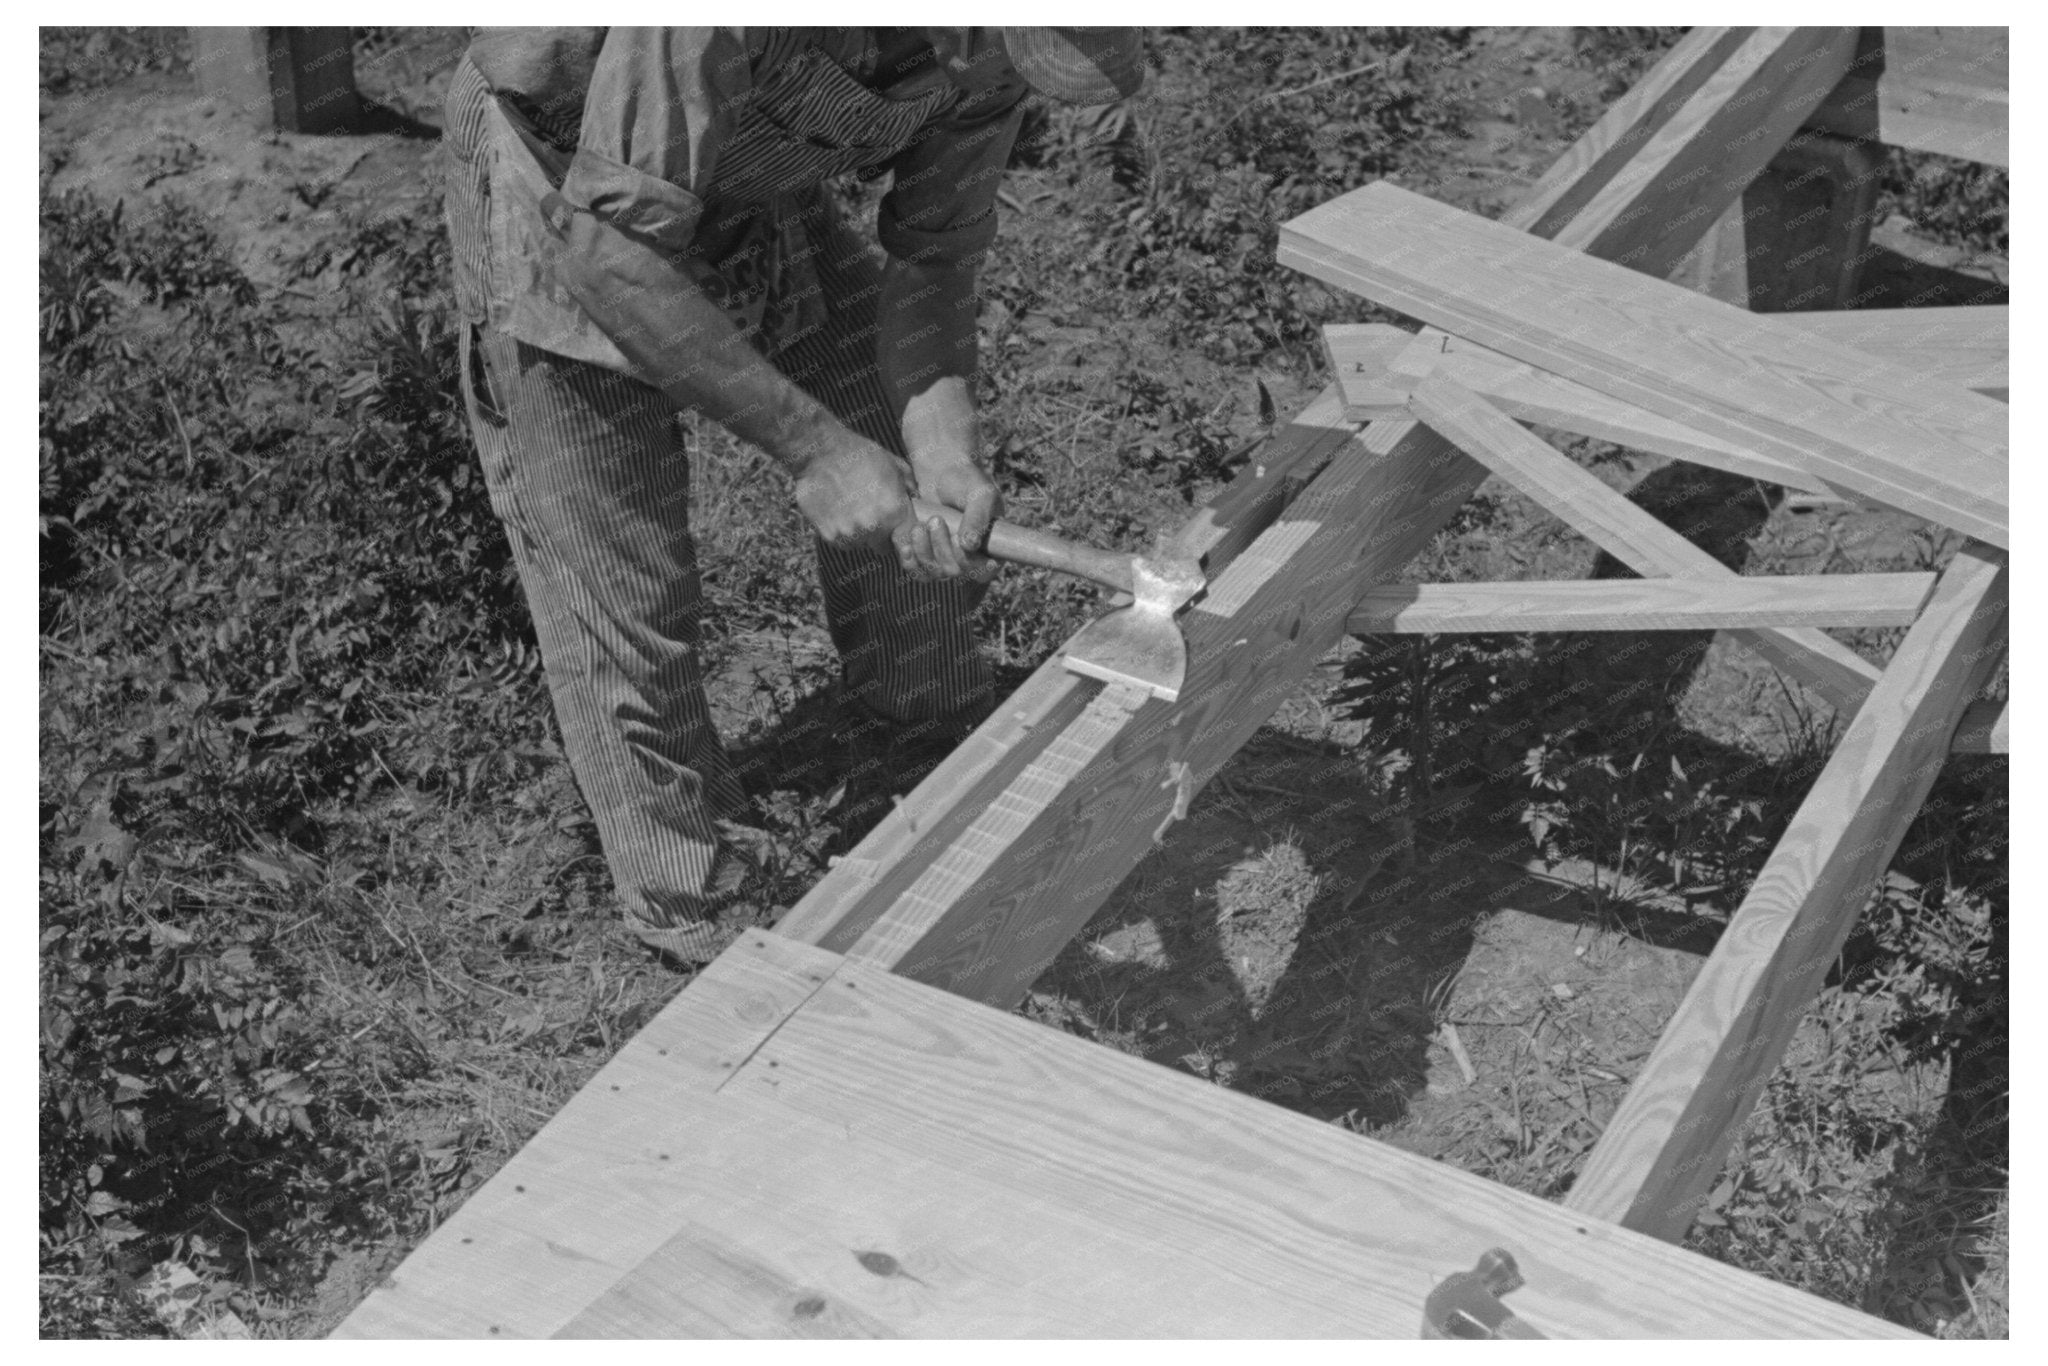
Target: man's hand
column 856, row 493
column 957, row 482
column 943, row 434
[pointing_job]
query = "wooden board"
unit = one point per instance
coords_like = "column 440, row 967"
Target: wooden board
column 1656, row 205
column 608, row 1180
column 1965, row 346
column 1952, row 347
column 854, row 894
column 898, row 1161
column 1360, row 353
column 1666, row 1146
column 1558, row 200
column 1625, row 531
column 1909, row 443
column 1942, row 90
column 1642, row 604
column 1039, row 858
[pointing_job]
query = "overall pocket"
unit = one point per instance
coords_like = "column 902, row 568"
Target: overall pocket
column 807, row 121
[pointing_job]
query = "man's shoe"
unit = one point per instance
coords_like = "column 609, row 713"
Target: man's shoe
column 697, row 942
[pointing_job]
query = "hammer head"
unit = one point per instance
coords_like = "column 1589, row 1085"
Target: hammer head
column 1141, row 643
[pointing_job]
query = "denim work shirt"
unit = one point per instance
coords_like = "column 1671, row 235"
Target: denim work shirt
column 714, row 143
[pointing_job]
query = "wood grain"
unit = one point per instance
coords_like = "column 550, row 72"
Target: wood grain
column 1666, row 1145
column 608, row 1179
column 1910, row 443
column 1969, row 347
column 998, row 826
column 1627, row 532
column 1200, row 1212
column 1643, row 604
column 706, row 1283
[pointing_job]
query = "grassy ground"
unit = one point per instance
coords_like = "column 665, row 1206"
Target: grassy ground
column 325, row 933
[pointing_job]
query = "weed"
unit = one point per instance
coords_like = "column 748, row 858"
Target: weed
column 1958, row 203
column 74, row 59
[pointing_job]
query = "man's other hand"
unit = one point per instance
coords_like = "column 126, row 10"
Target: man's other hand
column 957, row 482
column 857, row 493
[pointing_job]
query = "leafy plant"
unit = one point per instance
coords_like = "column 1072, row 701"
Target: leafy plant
column 1956, row 202
column 1620, row 54
column 1435, row 698
column 271, row 582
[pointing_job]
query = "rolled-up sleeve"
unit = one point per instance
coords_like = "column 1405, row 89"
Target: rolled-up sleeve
column 941, row 205
column 660, row 102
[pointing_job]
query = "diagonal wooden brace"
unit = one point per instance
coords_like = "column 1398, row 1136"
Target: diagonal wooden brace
column 1625, row 531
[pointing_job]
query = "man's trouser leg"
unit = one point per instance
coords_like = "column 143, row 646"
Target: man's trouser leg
column 590, row 475
column 906, row 645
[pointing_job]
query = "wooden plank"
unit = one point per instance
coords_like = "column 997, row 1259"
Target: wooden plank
column 1969, row 347
column 1088, row 1192
column 1941, row 89
column 1035, row 863
column 608, row 1179
column 774, row 1242
column 1965, row 346
column 1602, row 151
column 1949, row 348
column 1938, row 116
column 703, row 1283
column 1666, row 1145
column 1360, row 353
column 1627, row 532
column 1652, row 210
column 849, row 899
column 1909, row 443
column 1973, row 55
column 1642, row 604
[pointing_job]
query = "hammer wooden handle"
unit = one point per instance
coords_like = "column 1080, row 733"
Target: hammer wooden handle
column 1019, row 545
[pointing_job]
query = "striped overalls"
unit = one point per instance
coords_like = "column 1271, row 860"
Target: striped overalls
column 588, row 468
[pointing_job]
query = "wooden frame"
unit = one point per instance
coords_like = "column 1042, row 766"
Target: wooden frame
column 1665, row 1147
column 870, row 997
